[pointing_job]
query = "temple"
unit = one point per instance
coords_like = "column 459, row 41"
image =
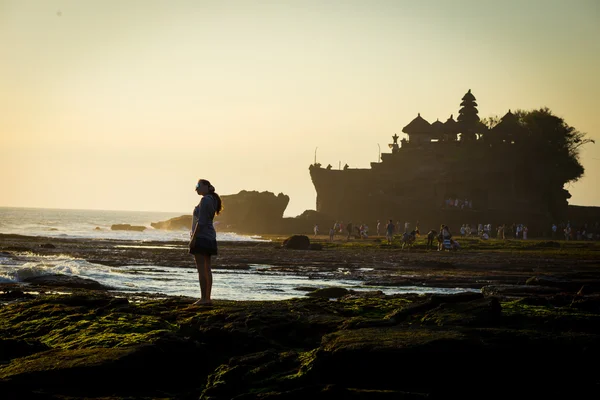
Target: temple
column 451, row 172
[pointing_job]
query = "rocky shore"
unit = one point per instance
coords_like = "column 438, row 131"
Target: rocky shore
column 531, row 330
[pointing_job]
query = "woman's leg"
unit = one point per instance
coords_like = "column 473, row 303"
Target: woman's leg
column 203, row 265
column 209, row 277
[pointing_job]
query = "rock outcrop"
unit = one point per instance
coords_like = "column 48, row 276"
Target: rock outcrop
column 127, row 227
column 65, row 281
column 379, row 347
column 174, row 224
column 245, row 212
column 250, row 211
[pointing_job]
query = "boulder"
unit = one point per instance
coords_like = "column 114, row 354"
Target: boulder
column 297, row 242
column 329, row 293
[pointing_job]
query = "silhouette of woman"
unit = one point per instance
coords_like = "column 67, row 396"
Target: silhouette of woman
column 203, row 242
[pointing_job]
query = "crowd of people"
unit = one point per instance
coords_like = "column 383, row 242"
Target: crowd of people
column 572, row 231
column 389, row 229
column 459, row 203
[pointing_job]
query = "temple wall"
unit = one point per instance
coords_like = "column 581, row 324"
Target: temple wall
column 413, row 184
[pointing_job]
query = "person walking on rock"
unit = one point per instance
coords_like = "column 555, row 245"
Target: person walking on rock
column 203, row 243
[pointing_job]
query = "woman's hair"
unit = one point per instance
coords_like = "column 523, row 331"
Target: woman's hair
column 211, row 191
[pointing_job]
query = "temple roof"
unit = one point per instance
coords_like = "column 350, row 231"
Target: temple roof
column 437, row 128
column 509, row 124
column 437, row 125
column 417, row 125
column 451, row 126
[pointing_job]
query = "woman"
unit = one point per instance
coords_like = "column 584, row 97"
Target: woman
column 203, row 243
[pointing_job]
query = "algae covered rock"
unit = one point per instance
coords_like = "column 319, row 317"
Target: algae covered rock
column 368, row 347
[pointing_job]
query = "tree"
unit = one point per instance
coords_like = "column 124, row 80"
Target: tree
column 545, row 151
column 553, row 143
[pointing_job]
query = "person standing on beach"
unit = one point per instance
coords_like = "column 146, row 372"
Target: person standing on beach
column 389, row 231
column 203, row 243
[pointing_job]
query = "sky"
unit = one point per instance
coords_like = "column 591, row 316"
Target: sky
column 124, row 104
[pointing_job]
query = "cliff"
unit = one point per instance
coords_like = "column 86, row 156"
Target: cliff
column 252, row 211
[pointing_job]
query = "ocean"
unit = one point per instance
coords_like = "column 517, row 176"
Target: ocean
column 95, row 224
column 259, row 282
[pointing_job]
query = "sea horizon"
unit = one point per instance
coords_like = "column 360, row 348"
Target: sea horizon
column 92, row 209
column 96, row 224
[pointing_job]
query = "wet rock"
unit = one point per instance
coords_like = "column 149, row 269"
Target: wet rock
column 329, row 293
column 67, row 281
column 47, row 246
column 14, row 294
column 518, row 290
column 563, row 283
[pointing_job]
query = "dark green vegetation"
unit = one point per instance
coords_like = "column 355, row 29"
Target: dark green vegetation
column 92, row 345
column 547, row 144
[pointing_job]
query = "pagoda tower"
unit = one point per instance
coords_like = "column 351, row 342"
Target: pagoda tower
column 468, row 118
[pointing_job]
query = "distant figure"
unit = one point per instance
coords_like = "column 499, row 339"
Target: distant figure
column 316, row 229
column 444, row 237
column 554, row 229
column 331, row 234
column 378, row 227
column 389, row 231
column 431, row 235
column 349, row 229
column 203, row 242
column 454, row 245
column 408, row 239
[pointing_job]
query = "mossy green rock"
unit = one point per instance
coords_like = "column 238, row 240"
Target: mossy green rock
column 93, row 345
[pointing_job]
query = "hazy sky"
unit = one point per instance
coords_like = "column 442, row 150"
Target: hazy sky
column 117, row 104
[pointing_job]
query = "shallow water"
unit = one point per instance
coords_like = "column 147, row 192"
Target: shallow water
column 259, row 282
